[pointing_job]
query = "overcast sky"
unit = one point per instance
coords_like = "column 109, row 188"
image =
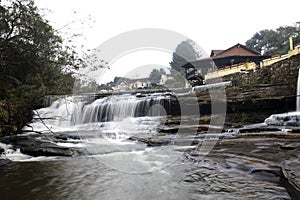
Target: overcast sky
column 211, row 24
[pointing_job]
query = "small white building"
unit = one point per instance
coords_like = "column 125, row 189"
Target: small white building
column 122, row 86
column 132, row 84
column 139, row 83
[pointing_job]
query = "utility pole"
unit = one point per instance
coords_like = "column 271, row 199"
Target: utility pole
column 298, row 23
column 291, row 43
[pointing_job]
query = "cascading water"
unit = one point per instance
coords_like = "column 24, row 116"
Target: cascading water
column 120, row 107
column 75, row 111
column 104, row 126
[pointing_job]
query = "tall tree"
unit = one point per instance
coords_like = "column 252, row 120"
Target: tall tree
column 269, row 42
column 185, row 52
column 155, row 75
column 33, row 63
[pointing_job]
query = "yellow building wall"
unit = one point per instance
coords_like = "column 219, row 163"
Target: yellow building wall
column 250, row 66
column 232, row 70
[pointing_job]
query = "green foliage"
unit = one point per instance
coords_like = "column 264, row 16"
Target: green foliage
column 170, row 82
column 185, row 52
column 155, row 75
column 117, row 80
column 162, row 71
column 104, row 87
column 177, row 80
column 270, row 42
column 33, row 63
column 80, row 86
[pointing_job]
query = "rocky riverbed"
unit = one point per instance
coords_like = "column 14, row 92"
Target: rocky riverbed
column 267, row 154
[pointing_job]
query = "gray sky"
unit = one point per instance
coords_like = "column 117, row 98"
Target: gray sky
column 215, row 24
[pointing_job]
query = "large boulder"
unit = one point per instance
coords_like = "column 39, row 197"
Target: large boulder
column 2, row 150
column 38, row 147
column 42, row 148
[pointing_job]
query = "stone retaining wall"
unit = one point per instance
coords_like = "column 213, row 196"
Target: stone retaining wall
column 284, row 73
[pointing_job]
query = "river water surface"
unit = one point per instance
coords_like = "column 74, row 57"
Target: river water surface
column 111, row 167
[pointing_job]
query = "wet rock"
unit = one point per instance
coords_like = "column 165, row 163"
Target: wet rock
column 295, row 131
column 170, row 122
column 62, row 137
column 166, row 140
column 275, row 171
column 158, row 142
column 67, row 136
column 288, row 179
column 4, row 140
column 168, row 130
column 287, row 146
column 152, row 141
column 259, row 129
column 2, row 150
column 4, row 162
column 38, row 147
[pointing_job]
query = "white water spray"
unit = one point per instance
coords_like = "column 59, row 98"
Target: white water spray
column 70, row 113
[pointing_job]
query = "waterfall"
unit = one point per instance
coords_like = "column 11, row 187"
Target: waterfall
column 67, row 112
column 120, row 107
column 298, row 93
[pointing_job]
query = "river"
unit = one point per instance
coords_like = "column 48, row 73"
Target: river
column 112, row 167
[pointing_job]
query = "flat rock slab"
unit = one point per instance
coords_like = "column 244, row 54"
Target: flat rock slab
column 34, row 146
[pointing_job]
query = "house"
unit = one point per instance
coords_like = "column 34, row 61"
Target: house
column 196, row 70
column 131, row 84
column 139, row 83
column 244, row 67
column 121, row 86
column 236, row 50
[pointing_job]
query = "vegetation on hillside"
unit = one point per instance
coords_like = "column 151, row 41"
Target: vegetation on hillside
column 155, row 75
column 270, row 42
column 185, row 52
column 33, row 63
